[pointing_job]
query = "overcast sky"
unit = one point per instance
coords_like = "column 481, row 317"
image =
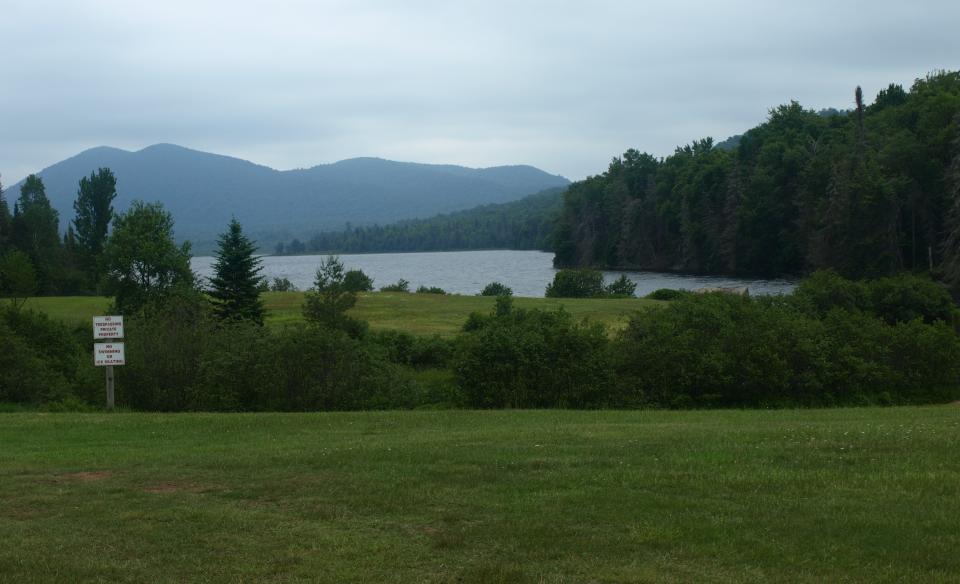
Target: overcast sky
column 560, row 85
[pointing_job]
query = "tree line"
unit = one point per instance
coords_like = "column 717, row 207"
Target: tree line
column 524, row 224
column 867, row 192
column 35, row 258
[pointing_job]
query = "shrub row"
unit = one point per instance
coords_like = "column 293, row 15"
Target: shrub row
column 833, row 342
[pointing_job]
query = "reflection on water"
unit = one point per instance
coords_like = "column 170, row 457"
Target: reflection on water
column 467, row 272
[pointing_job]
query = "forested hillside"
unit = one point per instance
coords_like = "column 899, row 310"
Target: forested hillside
column 524, row 224
column 869, row 193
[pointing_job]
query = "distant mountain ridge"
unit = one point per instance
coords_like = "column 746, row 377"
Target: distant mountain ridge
column 204, row 190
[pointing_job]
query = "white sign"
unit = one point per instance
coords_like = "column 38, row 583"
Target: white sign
column 108, row 354
column 108, row 327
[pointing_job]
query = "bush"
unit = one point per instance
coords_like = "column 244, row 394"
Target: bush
column 667, row 294
column 416, row 351
column 357, row 281
column 230, row 372
column 725, row 350
column 313, row 368
column 532, row 359
column 44, row 362
column 283, row 285
column 327, row 304
column 621, row 287
column 576, row 284
column 430, row 290
column 895, row 299
column 906, row 297
column 400, row 286
column 496, row 289
column 164, row 346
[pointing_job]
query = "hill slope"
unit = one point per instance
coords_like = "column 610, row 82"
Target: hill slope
column 204, row 190
column 524, row 224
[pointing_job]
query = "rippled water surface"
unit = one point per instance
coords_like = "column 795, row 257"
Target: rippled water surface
column 467, row 272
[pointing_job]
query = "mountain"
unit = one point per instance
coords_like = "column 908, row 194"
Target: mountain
column 524, row 224
column 204, row 190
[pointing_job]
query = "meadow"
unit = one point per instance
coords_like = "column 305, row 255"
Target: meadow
column 425, row 314
column 841, row 495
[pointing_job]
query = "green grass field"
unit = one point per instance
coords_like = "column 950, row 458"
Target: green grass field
column 414, row 313
column 846, row 495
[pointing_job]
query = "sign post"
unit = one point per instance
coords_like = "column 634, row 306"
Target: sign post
column 108, row 354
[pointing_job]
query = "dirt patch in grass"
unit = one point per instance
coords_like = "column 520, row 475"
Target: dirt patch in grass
column 178, row 487
column 86, row 476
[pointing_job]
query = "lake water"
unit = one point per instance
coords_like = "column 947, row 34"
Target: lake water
column 467, row 272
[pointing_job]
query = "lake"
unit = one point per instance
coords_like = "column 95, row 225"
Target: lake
column 467, row 272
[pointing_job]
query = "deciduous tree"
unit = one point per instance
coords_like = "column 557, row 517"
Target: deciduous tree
column 143, row 262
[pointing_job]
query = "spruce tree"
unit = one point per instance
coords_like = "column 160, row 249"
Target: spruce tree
column 236, row 280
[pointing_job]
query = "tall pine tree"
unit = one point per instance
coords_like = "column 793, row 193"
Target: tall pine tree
column 236, row 280
column 94, row 209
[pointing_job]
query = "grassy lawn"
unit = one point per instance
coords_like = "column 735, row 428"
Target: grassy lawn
column 853, row 495
column 415, row 313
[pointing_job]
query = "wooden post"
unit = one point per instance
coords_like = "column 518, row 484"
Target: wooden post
column 109, row 387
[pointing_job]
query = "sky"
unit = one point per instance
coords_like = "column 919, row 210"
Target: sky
column 563, row 86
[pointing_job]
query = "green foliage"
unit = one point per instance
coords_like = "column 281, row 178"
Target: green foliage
column 622, row 286
column 576, row 284
column 523, row 224
column 900, row 298
column 143, row 263
column 430, row 290
column 496, row 289
column 532, row 359
column 400, row 286
column 283, row 285
column 666, row 294
column 164, row 344
column 6, row 222
column 181, row 359
column 236, row 280
column 35, row 231
column 709, row 350
column 417, row 351
column 18, row 279
column 327, row 304
column 41, row 361
column 867, row 194
column 357, row 281
column 94, row 211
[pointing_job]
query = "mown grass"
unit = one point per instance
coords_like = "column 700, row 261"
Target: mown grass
column 414, row 313
column 846, row 495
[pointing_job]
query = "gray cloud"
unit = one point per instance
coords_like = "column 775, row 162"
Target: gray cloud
column 561, row 85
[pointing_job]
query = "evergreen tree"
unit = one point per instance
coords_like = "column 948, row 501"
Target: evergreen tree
column 951, row 244
column 94, row 209
column 6, row 222
column 36, row 232
column 236, row 282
